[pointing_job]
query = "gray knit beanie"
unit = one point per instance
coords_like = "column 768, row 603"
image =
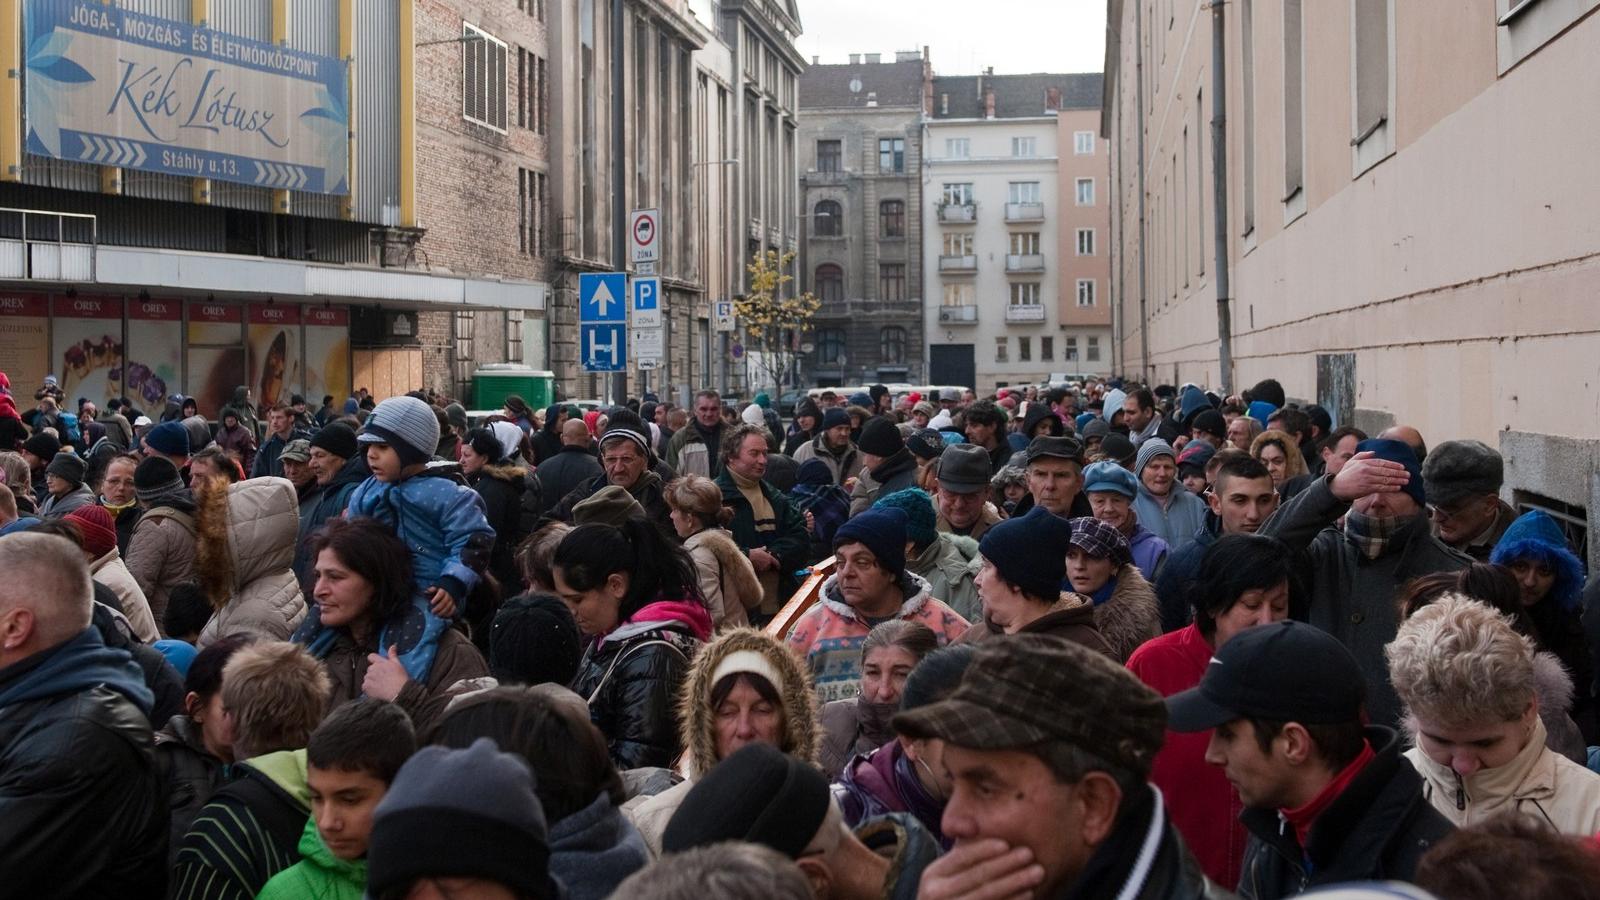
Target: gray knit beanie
column 406, row 424
column 1150, row 449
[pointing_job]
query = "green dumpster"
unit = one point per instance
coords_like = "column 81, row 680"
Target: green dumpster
column 492, row 383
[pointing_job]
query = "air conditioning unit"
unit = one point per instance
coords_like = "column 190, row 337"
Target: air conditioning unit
column 945, row 316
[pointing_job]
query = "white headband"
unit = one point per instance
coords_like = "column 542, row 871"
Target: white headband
column 747, row 661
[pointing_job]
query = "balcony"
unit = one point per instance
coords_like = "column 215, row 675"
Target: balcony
column 1024, row 212
column 960, row 265
column 964, row 315
column 1024, row 262
column 1018, row 313
column 958, row 212
column 825, row 177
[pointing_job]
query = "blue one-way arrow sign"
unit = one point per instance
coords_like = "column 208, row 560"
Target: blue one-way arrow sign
column 601, row 298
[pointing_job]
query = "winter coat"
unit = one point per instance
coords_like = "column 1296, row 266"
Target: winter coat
column 164, row 682
column 688, row 453
column 896, row 473
column 1202, row 802
column 844, row 735
column 910, row 849
column 319, row 875
column 1144, row 858
column 1352, row 597
column 950, row 564
column 697, row 722
column 631, row 677
column 1538, row 783
column 442, row 521
column 1503, row 517
column 324, row 504
column 1376, row 830
column 546, row 442
column 457, row 660
column 989, row 518
column 161, row 554
column 501, row 488
column 241, row 406
column 81, row 811
column 248, row 832
column 1149, row 552
column 56, row 507
column 1131, row 615
column 1180, row 571
column 829, row 506
column 829, row 635
column 1556, row 695
column 266, row 462
column 126, row 520
column 728, row 582
column 790, row 543
column 883, row 780
column 189, row 775
column 594, row 849
column 1175, row 523
column 1071, row 617
column 647, row 490
column 110, row 571
column 246, row 539
column 844, row 464
column 561, row 473
column 241, row 443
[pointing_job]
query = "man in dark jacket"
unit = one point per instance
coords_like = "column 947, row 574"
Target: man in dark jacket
column 766, row 525
column 626, row 461
column 832, row 445
column 1326, row 799
column 560, row 474
column 889, row 466
column 1241, row 499
column 339, row 467
column 1463, row 480
column 1355, row 573
column 81, row 810
column 551, row 437
column 1042, row 730
column 280, row 420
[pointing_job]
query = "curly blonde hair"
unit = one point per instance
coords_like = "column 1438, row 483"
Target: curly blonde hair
column 1459, row 662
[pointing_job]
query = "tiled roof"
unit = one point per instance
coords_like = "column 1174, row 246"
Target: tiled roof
column 1015, row 96
column 896, row 84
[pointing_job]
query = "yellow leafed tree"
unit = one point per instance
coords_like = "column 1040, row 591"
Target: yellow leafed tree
column 774, row 323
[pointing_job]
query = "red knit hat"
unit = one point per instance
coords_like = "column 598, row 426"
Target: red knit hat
column 98, row 530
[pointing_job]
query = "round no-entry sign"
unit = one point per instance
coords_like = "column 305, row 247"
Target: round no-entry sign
column 645, row 232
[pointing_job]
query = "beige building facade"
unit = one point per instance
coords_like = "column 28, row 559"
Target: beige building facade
column 1410, row 191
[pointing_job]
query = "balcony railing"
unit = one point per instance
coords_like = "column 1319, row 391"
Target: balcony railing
column 1024, row 212
column 960, row 315
column 968, row 263
column 958, row 212
column 817, row 177
column 1018, row 313
column 1024, row 262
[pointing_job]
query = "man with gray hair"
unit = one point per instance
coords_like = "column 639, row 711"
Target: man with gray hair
column 82, row 812
column 731, row 870
column 1462, row 481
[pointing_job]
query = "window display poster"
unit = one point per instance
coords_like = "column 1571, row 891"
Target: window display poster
column 327, row 355
column 215, row 324
column 155, row 345
column 86, row 350
column 273, row 338
column 216, row 354
column 25, row 343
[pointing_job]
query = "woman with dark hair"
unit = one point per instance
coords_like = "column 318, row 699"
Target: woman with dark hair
column 728, row 582
column 500, row 483
column 364, row 582
column 858, row 725
column 635, row 596
column 592, row 846
column 520, row 414
column 745, row 688
column 1243, row 582
column 1550, row 577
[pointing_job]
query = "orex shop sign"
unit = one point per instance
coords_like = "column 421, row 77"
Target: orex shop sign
column 119, row 88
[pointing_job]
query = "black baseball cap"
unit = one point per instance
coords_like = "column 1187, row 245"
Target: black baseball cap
column 1287, row 671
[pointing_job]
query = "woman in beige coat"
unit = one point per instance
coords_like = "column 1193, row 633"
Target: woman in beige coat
column 728, row 582
column 244, row 551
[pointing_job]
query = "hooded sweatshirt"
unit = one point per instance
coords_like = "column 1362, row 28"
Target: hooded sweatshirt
column 319, row 874
column 248, row 832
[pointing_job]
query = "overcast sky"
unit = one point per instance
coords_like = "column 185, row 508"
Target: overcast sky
column 963, row 36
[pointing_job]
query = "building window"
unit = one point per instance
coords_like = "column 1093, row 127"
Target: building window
column 531, row 91
column 1025, row 147
column 1047, row 349
column 891, row 281
column 958, row 243
column 959, row 194
column 830, row 283
column 1094, row 349
column 1085, row 241
column 892, row 218
column 483, row 84
column 1024, row 243
column 1371, row 80
column 828, row 219
column 1524, row 26
column 1085, row 191
column 1024, row 348
column 957, row 148
column 829, row 156
column 1023, row 192
column 1085, row 292
column 1025, row 293
column 1293, row 102
column 892, row 346
column 830, row 346
column 891, row 155
column 1083, row 143
column 514, row 336
column 959, row 294
column 1001, row 347
column 1069, row 352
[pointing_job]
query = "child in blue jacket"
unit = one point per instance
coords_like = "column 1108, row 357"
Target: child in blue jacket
column 441, row 521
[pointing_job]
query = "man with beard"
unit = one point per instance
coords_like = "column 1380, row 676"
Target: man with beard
column 832, row 445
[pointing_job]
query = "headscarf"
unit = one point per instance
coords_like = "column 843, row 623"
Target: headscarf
column 509, row 436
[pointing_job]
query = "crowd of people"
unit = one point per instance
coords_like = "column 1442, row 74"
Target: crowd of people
column 1104, row 640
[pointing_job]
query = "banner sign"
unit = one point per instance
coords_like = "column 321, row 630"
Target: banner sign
column 113, row 87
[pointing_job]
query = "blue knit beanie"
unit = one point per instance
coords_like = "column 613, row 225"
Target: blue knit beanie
column 168, row 439
column 1400, row 452
column 1261, row 411
column 861, row 398
column 835, row 417
column 406, row 424
column 883, row 531
column 1030, row 551
column 922, row 524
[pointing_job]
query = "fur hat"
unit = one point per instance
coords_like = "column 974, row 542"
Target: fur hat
column 698, row 721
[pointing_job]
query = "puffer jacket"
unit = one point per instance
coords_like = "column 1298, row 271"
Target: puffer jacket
column 631, row 676
column 1538, row 783
column 697, row 721
column 501, row 488
column 728, row 582
column 950, row 564
column 457, row 660
column 161, row 554
column 1132, row 615
column 189, row 775
column 244, row 556
column 110, row 571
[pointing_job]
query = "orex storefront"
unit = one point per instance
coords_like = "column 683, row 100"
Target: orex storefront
column 199, row 194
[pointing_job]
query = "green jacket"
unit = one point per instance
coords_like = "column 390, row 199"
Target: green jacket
column 789, row 543
column 950, row 565
column 319, row 875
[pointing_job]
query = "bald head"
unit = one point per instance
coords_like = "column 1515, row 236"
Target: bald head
column 45, row 597
column 574, row 433
column 1409, row 436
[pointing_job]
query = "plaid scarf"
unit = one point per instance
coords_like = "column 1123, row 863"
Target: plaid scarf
column 1370, row 534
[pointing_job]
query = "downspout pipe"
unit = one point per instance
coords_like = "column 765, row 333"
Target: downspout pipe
column 1142, row 124
column 1219, row 189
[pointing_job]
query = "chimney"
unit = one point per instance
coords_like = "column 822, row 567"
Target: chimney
column 855, row 59
column 816, row 60
column 872, row 98
column 988, row 70
column 901, row 56
column 1052, row 99
column 873, row 59
column 988, row 102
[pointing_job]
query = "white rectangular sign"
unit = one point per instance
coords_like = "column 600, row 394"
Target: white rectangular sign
column 649, row 343
column 644, row 231
column 722, row 315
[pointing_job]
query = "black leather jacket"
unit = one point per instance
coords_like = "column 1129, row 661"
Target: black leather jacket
column 632, row 688
column 1120, row 862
